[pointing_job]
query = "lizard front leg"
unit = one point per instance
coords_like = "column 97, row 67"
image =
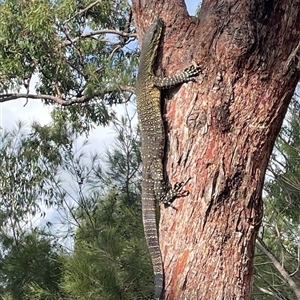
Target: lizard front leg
column 186, row 75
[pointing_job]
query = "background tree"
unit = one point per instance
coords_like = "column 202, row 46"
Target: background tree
column 110, row 259
column 28, row 254
column 77, row 51
column 277, row 257
column 221, row 131
column 33, row 261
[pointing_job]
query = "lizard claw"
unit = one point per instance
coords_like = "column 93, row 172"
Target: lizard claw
column 192, row 71
column 175, row 192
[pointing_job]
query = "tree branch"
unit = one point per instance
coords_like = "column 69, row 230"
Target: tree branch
column 262, row 246
column 97, row 32
column 64, row 102
column 82, row 11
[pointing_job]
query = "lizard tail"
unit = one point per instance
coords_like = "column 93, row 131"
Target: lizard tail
column 149, row 218
column 158, row 285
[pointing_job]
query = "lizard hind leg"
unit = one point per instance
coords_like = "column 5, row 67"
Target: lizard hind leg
column 164, row 193
column 174, row 192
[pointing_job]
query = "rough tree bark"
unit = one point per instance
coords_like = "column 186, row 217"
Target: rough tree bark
column 221, row 131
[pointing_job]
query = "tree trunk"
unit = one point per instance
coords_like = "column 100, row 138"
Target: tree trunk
column 221, row 130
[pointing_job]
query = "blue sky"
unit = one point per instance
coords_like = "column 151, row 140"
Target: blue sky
column 192, row 6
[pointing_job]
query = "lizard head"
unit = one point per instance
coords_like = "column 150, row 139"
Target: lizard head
column 151, row 40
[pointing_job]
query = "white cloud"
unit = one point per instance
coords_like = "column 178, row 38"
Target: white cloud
column 13, row 111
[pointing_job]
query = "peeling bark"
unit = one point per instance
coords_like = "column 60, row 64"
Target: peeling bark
column 221, row 130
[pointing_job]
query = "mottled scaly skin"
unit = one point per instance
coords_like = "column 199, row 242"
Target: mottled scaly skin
column 153, row 142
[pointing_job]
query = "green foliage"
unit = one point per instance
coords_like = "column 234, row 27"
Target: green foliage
column 25, row 176
column 31, row 260
column 51, row 38
column 197, row 13
column 26, row 33
column 285, row 181
column 38, row 292
column 110, row 259
column 84, row 117
column 280, row 231
column 75, row 49
column 123, row 163
column 30, row 160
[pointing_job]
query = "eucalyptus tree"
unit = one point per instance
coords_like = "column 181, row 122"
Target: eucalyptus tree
column 221, row 128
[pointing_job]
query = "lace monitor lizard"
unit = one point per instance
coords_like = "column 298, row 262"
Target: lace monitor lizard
column 154, row 188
